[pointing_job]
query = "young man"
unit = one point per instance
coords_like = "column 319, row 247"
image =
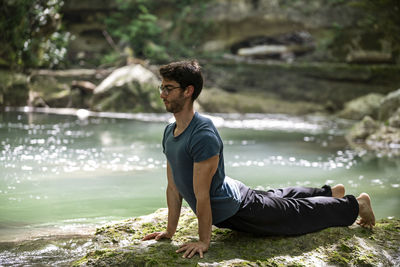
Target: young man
column 195, row 172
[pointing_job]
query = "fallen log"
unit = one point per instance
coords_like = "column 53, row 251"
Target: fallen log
column 373, row 57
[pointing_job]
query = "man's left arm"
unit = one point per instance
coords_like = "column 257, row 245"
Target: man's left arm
column 203, row 173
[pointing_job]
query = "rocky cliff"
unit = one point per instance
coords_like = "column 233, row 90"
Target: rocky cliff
column 318, row 29
column 120, row 245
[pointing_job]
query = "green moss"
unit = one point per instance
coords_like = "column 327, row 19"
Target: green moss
column 345, row 248
column 365, row 260
column 336, row 246
column 296, row 265
column 80, row 262
column 338, row 258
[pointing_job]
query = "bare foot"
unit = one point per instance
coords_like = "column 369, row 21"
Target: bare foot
column 367, row 219
column 338, row 191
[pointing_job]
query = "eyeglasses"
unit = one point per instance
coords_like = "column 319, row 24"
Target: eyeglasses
column 166, row 89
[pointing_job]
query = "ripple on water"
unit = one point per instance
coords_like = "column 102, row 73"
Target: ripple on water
column 344, row 160
column 47, row 251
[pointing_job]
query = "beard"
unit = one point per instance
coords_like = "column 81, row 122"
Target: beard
column 175, row 105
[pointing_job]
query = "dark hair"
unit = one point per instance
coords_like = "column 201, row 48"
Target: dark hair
column 185, row 73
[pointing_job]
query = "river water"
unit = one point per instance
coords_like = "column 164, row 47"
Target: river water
column 63, row 175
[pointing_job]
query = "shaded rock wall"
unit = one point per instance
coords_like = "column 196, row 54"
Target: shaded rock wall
column 238, row 20
column 330, row 85
column 232, row 22
column 85, row 19
column 14, row 89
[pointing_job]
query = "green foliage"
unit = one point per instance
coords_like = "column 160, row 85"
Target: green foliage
column 382, row 16
column 137, row 24
column 110, row 58
column 31, row 33
column 375, row 27
column 134, row 25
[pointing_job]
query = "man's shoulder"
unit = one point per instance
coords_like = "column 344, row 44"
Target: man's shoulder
column 204, row 129
column 204, row 121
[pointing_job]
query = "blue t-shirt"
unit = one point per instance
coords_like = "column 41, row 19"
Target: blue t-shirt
column 201, row 141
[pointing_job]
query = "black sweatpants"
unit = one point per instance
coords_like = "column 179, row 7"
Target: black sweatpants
column 291, row 211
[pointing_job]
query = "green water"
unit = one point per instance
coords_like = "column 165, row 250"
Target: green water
column 60, row 175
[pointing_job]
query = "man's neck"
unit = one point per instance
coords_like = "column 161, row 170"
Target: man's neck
column 184, row 117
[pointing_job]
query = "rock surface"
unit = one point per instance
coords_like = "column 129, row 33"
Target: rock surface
column 125, row 75
column 230, row 86
column 120, row 245
column 129, row 88
column 56, row 88
column 328, row 85
column 358, row 108
column 389, row 105
column 381, row 135
column 13, row 88
column 361, row 130
column 215, row 100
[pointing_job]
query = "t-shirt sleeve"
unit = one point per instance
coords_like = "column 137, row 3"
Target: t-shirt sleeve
column 204, row 145
column 164, row 137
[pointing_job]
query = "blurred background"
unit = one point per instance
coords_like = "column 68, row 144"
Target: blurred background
column 295, row 57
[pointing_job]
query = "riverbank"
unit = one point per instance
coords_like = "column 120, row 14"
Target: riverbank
column 257, row 86
column 120, row 245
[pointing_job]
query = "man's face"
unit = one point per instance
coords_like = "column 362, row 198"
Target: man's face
column 173, row 96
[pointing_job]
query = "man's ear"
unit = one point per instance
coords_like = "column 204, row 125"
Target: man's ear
column 189, row 91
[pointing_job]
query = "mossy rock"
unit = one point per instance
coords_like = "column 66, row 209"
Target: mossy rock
column 14, row 89
column 362, row 130
column 120, row 245
column 389, row 105
column 215, row 100
column 358, row 108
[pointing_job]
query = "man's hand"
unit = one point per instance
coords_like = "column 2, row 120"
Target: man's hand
column 157, row 236
column 192, row 248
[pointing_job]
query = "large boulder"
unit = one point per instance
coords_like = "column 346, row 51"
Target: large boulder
column 382, row 135
column 376, row 136
column 119, row 245
column 386, row 139
column 361, row 130
column 64, row 88
column 130, row 88
column 389, row 105
column 394, row 120
column 126, row 75
column 47, row 90
column 358, row 108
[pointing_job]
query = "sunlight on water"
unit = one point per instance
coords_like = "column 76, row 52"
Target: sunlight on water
column 279, row 122
column 343, row 160
column 67, row 174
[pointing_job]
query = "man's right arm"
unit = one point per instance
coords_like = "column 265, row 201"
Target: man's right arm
column 174, row 202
